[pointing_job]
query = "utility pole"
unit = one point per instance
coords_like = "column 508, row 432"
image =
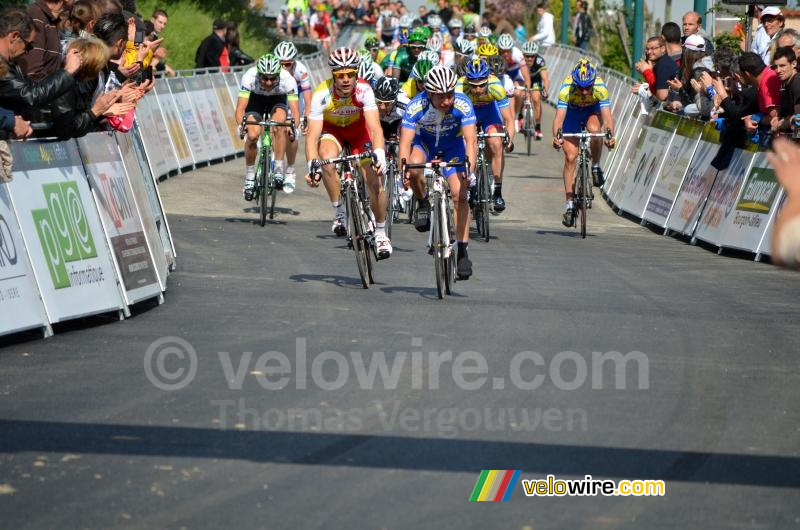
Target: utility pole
column 565, row 22
column 638, row 35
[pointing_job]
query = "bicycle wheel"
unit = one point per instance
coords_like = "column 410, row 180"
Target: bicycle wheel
column 263, row 185
column 356, row 232
column 437, row 240
column 391, row 209
column 412, row 209
column 529, row 127
column 582, row 195
column 486, row 199
column 273, row 192
column 450, row 258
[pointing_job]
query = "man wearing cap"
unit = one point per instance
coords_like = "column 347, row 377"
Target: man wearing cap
column 755, row 73
column 772, row 21
column 692, row 25
column 209, row 52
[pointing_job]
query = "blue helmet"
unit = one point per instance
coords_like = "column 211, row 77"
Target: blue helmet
column 584, row 73
column 477, row 69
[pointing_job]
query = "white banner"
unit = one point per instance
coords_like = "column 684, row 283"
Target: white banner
column 20, row 303
column 228, row 107
column 121, row 221
column 160, row 152
column 632, row 163
column 62, row 230
column 233, row 87
column 626, row 139
column 651, row 155
column 722, row 199
column 174, row 125
column 765, row 246
column 699, row 178
column 673, row 171
column 201, row 152
column 208, row 117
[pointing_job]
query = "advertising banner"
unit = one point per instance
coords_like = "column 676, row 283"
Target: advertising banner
column 755, row 206
column 161, row 154
column 673, row 171
column 632, row 163
column 136, row 180
column 627, row 142
column 120, row 218
column 220, row 116
column 228, row 107
column 207, row 116
column 699, row 178
column 233, row 86
column 20, row 303
column 62, row 230
column 194, row 133
column 651, row 156
column 765, row 246
column 174, row 125
column 723, row 198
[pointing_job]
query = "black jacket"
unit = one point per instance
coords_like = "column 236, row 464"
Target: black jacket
column 71, row 113
column 238, row 58
column 207, row 55
column 29, row 98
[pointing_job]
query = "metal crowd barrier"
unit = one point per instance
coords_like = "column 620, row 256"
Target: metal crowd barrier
column 661, row 172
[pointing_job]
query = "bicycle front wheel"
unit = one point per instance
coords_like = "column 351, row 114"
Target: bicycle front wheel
column 355, row 230
column 437, row 240
column 529, row 127
column 486, row 199
column 583, row 196
column 264, row 185
column 447, row 247
column 391, row 208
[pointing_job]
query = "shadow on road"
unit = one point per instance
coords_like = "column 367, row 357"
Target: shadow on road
column 338, row 281
column 563, row 233
column 428, row 293
column 253, row 220
column 389, row 451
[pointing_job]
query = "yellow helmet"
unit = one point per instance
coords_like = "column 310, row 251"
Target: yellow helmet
column 487, row 50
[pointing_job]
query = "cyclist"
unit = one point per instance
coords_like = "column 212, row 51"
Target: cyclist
column 540, row 81
column 444, row 56
column 439, row 119
column 374, row 47
column 389, row 108
column 492, row 110
column 470, row 33
column 516, row 68
column 455, row 26
column 464, row 49
column 287, row 54
column 386, row 26
column 582, row 101
column 402, row 60
column 267, row 89
column 343, row 112
column 322, row 27
column 415, row 82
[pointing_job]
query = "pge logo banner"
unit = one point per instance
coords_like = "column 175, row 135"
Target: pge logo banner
column 495, row 485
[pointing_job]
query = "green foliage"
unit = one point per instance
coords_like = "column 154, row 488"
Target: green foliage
column 727, row 40
column 190, row 22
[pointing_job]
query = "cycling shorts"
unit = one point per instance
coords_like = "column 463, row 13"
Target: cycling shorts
column 452, row 151
column 259, row 105
column 356, row 136
column 516, row 75
column 488, row 115
column 577, row 117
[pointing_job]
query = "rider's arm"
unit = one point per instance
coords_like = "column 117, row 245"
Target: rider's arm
column 558, row 121
column 406, row 137
column 545, row 79
column 607, row 118
column 312, row 139
column 373, row 119
column 526, row 73
column 471, row 144
column 507, row 114
column 294, row 106
column 241, row 105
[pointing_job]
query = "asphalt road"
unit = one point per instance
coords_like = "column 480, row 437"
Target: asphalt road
column 708, row 400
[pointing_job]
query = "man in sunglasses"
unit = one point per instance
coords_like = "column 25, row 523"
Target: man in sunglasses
column 344, row 113
column 267, row 90
column 441, row 120
column 492, row 110
column 286, row 52
column 402, row 60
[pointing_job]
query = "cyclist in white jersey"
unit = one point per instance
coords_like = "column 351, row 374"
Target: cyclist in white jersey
column 287, row 54
column 266, row 89
column 516, row 67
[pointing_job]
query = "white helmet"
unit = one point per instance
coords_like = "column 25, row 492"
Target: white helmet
column 429, row 55
column 465, row 46
column 435, row 22
column 405, row 21
column 530, row 48
column 343, row 58
column 440, row 80
column 285, row 51
column 435, row 42
column 456, row 23
column 505, row 42
column 485, row 31
column 268, row 65
column 365, row 71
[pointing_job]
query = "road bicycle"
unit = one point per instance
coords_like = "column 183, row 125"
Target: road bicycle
column 442, row 237
column 266, row 185
column 392, row 186
column 482, row 201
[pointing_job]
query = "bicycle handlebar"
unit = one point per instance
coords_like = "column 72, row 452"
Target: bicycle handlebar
column 434, row 164
column 267, row 123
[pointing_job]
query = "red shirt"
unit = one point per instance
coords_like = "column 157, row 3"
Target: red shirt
column 769, row 90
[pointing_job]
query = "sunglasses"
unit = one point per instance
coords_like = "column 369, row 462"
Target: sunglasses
column 268, row 78
column 345, row 74
column 287, row 64
column 417, row 46
column 480, row 84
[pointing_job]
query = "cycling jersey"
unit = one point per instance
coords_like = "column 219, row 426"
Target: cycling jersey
column 514, row 62
column 343, row 117
column 495, row 93
column 408, row 91
column 301, row 75
column 286, row 85
column 537, row 68
column 569, row 97
column 403, row 61
column 320, row 25
column 433, row 126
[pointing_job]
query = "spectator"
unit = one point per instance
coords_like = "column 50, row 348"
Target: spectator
column 785, row 158
column 282, row 21
column 18, row 93
column 686, row 95
column 158, row 21
column 12, row 126
column 236, row 55
column 768, row 88
column 693, row 25
column 545, row 32
column 672, row 37
column 772, row 22
column 789, row 37
column 111, row 7
column 502, row 25
column 445, row 13
column 45, row 57
column 582, row 28
column 785, row 63
column 423, row 14
column 212, row 47
column 83, row 17
column 657, row 69
column 735, row 101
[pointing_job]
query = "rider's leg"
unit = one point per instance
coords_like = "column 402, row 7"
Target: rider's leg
column 536, row 100
column 593, row 126
column 329, row 148
column 458, row 190
column 250, row 153
column 495, row 153
column 417, row 185
column 570, row 162
column 377, row 195
column 279, row 138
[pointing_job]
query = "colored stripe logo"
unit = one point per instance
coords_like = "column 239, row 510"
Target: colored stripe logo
column 495, row 485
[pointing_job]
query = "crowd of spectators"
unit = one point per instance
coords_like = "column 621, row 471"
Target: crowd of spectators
column 221, row 48
column 70, row 67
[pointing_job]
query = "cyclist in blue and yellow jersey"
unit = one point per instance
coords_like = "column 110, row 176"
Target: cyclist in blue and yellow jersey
column 492, row 110
column 583, row 101
column 440, row 120
column 415, row 82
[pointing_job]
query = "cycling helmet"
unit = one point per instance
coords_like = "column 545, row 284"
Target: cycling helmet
column 371, row 43
column 465, row 46
column 418, row 35
column 435, row 42
column 485, row 32
column 268, row 65
column 429, row 55
column 364, row 54
column 285, row 51
column 584, row 73
column 505, row 42
column 387, row 89
column 487, row 49
column 421, row 69
column 477, row 69
column 405, row 21
column 341, row 58
column 530, row 48
column 434, row 21
column 440, row 80
column 497, row 65
column 366, row 72
column 455, row 23
column 470, row 30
